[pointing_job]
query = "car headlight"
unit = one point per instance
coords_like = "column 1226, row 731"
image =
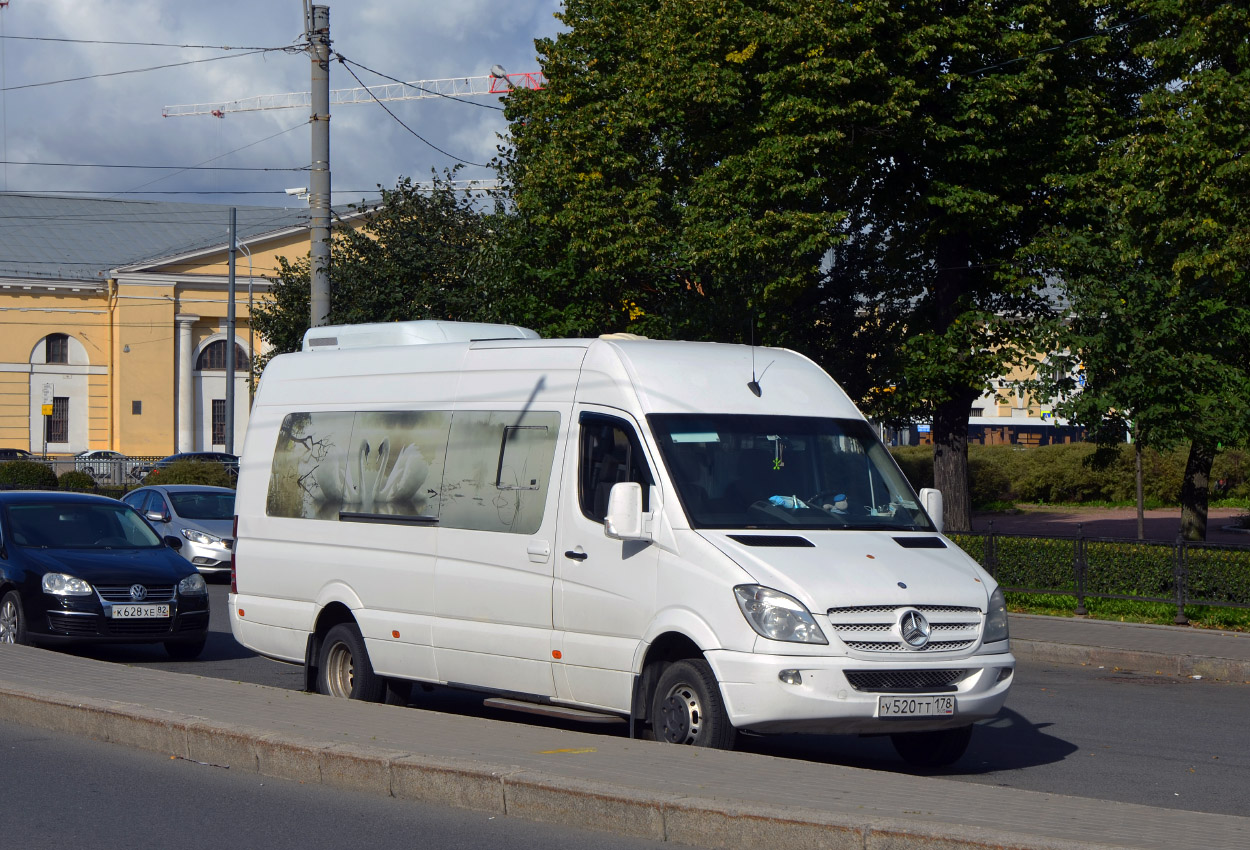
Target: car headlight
column 200, row 537
column 776, row 615
column 996, row 618
column 193, row 585
column 59, row 584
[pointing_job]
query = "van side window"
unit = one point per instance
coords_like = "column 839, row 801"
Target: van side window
column 498, row 470
column 609, row 453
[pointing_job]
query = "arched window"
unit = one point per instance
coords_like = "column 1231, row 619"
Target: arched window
column 56, row 348
column 213, row 358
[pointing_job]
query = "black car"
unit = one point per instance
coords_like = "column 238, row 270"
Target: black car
column 229, row 461
column 76, row 567
column 15, row 454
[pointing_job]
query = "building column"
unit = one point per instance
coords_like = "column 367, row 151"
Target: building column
column 185, row 384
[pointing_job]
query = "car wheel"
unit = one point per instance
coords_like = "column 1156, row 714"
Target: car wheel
column 939, row 748
column 12, row 619
column 185, row 650
column 687, row 707
column 344, row 669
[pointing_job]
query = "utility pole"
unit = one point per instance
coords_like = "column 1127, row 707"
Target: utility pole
column 317, row 26
column 230, row 339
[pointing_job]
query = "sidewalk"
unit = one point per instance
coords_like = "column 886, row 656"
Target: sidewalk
column 1161, row 525
column 666, row 793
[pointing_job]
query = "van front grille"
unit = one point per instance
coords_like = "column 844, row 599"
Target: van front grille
column 903, row 680
column 874, row 628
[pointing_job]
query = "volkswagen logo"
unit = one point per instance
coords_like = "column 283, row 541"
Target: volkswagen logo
column 914, row 629
column 138, row 592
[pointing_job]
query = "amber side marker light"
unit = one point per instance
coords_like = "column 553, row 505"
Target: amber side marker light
column 394, row 634
column 555, row 653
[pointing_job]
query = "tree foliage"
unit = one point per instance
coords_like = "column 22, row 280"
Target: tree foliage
column 419, row 254
column 1156, row 251
column 850, row 179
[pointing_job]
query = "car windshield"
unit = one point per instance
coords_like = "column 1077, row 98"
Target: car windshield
column 203, row 505
column 79, row 525
column 784, row 472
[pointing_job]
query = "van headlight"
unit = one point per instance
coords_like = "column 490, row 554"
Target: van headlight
column 996, row 618
column 59, row 584
column 776, row 615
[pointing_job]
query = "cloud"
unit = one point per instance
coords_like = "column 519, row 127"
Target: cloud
column 117, row 119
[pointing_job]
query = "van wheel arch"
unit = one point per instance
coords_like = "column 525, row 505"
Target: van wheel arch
column 332, row 615
column 665, row 650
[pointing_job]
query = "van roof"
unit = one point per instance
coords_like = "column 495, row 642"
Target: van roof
column 421, row 332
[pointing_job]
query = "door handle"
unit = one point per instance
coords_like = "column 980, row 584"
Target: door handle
column 575, row 555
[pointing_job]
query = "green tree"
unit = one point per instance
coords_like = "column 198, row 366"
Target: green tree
column 420, row 254
column 850, row 179
column 1157, row 274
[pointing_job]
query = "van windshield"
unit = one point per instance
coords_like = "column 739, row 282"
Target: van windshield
column 784, row 472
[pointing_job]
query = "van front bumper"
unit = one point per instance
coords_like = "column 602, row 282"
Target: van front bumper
column 826, row 701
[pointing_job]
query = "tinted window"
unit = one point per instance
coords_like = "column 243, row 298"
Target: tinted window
column 205, row 505
column 79, row 526
column 783, row 472
column 608, row 453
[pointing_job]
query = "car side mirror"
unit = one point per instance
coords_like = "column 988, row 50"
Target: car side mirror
column 625, row 516
column 173, row 542
column 931, row 501
column 157, row 516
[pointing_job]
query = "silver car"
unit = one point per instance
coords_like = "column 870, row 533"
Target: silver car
column 201, row 516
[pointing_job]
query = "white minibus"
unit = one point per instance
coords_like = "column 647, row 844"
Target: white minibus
column 700, row 539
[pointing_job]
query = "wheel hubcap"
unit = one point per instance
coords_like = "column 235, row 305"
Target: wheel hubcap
column 340, row 671
column 682, row 716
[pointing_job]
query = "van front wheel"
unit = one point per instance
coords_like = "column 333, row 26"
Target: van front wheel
column 344, row 669
column 688, row 709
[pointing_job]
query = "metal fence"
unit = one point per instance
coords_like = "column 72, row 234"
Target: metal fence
column 1180, row 573
column 124, row 472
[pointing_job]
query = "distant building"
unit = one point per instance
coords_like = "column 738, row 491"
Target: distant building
column 115, row 312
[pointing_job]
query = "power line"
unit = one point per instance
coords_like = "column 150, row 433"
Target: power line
column 227, row 153
column 151, row 167
column 143, row 70
column 343, row 62
column 133, row 43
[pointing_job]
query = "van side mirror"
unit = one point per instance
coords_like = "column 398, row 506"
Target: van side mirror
column 624, row 519
column 931, row 501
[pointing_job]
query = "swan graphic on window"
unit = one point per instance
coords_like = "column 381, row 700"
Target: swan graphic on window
column 364, row 475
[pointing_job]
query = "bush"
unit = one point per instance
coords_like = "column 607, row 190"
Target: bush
column 76, row 479
column 27, row 475
column 205, row 473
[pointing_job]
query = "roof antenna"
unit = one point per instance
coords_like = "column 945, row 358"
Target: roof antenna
column 754, row 384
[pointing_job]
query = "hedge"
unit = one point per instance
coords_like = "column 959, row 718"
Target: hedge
column 1068, row 473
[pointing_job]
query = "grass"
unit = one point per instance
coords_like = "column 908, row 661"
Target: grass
column 1131, row 611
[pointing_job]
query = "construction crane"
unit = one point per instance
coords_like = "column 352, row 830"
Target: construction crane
column 497, row 82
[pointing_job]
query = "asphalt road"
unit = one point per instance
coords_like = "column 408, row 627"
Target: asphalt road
column 1080, row 731
column 66, row 791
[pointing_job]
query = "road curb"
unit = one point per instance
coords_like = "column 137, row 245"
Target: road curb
column 496, row 789
column 1224, row 669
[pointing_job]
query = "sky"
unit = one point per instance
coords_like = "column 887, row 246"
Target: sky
column 112, row 118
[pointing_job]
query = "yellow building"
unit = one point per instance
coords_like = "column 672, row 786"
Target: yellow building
column 113, row 318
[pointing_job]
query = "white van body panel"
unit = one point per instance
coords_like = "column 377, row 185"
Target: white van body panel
column 504, row 580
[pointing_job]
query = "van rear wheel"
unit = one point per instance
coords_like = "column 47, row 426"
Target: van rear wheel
column 344, row 669
column 687, row 707
column 939, row 748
